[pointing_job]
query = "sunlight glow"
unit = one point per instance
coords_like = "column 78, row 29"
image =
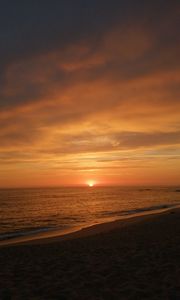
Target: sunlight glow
column 91, row 183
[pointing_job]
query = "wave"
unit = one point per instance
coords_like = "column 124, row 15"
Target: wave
column 139, row 210
column 74, row 220
column 11, row 235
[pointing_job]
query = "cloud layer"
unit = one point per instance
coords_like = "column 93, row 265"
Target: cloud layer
column 89, row 90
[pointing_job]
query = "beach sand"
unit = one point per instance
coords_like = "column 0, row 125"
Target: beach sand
column 138, row 258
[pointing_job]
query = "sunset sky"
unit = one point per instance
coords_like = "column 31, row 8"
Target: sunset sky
column 89, row 90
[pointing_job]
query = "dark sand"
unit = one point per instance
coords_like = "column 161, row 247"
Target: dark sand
column 137, row 258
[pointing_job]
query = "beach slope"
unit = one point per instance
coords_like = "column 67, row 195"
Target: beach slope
column 135, row 259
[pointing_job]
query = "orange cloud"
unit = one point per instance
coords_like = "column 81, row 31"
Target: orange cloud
column 92, row 107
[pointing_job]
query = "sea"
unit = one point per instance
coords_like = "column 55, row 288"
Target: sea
column 30, row 211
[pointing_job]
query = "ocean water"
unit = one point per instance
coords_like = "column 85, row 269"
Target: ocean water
column 30, row 211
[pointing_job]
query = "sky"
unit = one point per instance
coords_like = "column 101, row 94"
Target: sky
column 89, row 90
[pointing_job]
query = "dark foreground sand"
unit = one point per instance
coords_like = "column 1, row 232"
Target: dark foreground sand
column 132, row 259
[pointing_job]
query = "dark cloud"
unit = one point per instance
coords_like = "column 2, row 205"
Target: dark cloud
column 141, row 139
column 30, row 30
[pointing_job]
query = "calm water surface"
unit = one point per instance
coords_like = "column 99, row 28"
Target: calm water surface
column 27, row 211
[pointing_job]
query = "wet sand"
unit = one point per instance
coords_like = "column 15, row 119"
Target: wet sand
column 138, row 258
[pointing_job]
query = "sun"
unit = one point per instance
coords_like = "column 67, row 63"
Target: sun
column 90, row 183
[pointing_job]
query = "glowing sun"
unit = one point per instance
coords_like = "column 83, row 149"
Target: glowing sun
column 90, row 183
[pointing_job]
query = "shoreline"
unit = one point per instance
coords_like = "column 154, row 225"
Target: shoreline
column 133, row 259
column 47, row 237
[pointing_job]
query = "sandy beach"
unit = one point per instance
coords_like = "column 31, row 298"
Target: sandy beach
column 137, row 258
